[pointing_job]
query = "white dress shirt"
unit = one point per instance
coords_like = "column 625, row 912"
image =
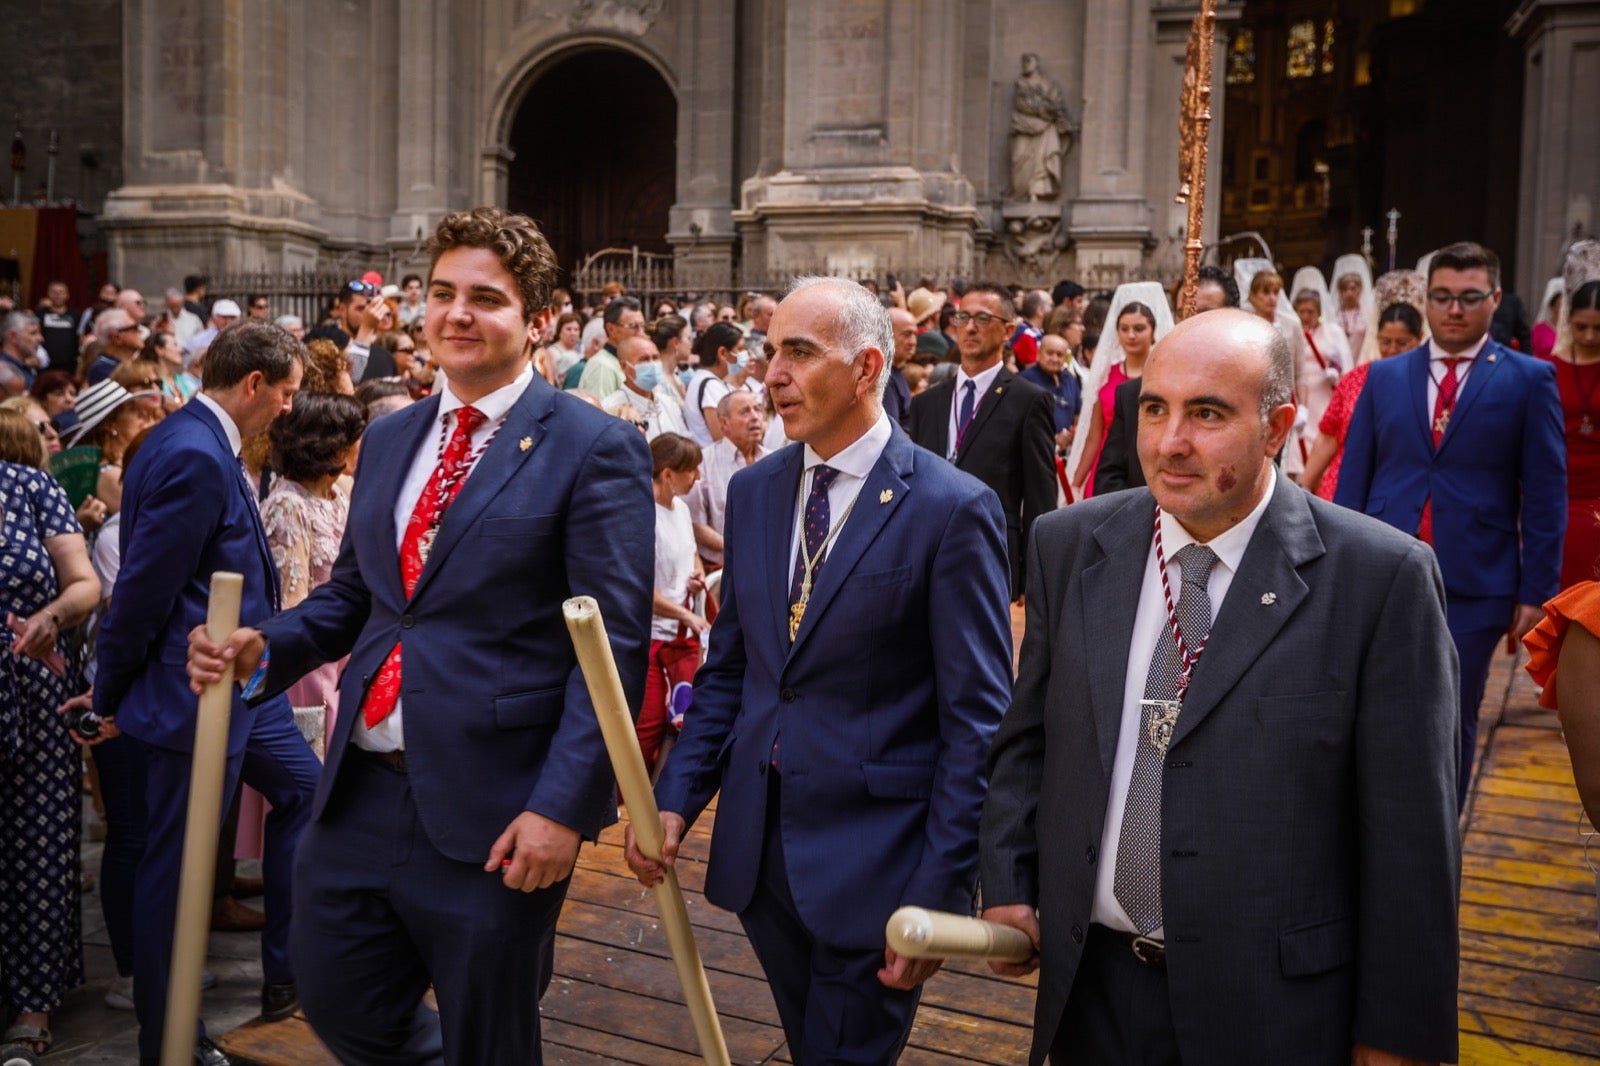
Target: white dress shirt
column 708, row 503
column 235, row 441
column 1149, row 623
column 983, row 381
column 1437, row 369
column 854, row 463
column 389, row 734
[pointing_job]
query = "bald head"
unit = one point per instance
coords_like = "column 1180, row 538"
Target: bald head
column 1252, row 343
column 904, row 324
column 633, row 348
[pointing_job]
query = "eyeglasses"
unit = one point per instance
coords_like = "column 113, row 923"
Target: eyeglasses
column 1469, row 301
column 124, row 329
column 983, row 318
column 361, row 288
column 637, row 327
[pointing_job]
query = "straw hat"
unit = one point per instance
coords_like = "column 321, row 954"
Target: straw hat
column 924, row 302
column 96, row 404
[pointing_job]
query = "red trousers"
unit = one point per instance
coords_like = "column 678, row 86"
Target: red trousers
column 671, row 661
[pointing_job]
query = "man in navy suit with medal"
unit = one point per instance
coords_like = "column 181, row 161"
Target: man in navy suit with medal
column 859, row 666
column 467, row 764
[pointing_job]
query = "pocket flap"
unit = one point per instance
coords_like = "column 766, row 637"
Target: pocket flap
column 532, row 525
column 1317, row 948
column 522, row 709
column 898, row 780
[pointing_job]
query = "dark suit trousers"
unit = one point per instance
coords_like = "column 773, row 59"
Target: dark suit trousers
column 1118, row 1012
column 379, row 914
column 1477, row 626
column 834, row 1010
column 278, row 763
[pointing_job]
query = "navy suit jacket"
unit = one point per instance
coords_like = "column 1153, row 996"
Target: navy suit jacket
column 497, row 716
column 187, row 512
column 1498, row 480
column 886, row 701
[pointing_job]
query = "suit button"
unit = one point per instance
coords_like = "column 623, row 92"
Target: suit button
column 787, row 695
column 406, row 621
column 1089, row 854
column 1077, row 934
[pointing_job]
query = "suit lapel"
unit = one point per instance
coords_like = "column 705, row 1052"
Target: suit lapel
column 985, row 411
column 882, row 493
column 1419, row 372
column 1264, row 595
column 412, row 434
column 939, row 399
column 783, row 492
column 208, row 418
column 1117, row 577
column 496, row 466
column 1484, row 367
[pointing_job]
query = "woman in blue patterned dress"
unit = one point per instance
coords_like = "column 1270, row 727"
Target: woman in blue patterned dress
column 46, row 585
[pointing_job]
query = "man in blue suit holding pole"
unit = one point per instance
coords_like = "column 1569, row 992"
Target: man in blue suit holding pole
column 187, row 512
column 859, row 666
column 1459, row 442
column 467, row 764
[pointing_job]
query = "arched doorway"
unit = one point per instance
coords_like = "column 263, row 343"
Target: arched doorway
column 595, row 139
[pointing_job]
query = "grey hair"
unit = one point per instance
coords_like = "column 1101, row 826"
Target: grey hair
column 102, row 322
column 725, row 405
column 1277, row 388
column 1306, row 296
column 17, row 321
column 862, row 321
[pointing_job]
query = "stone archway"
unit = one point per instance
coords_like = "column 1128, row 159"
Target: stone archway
column 595, row 153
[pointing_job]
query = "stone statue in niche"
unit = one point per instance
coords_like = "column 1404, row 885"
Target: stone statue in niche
column 1042, row 132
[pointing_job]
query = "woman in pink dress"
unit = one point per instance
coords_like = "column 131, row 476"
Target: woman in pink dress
column 304, row 515
column 1136, row 332
column 1399, row 330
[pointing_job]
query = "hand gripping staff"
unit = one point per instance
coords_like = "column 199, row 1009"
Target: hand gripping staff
column 922, row 934
column 200, row 831
column 588, row 631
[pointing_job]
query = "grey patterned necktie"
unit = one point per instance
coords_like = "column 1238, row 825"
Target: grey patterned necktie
column 1138, row 876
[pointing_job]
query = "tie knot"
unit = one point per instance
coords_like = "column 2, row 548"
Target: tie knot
column 1196, row 561
column 969, row 385
column 822, row 477
column 468, row 419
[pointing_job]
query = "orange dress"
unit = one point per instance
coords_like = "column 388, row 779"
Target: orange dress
column 1580, row 604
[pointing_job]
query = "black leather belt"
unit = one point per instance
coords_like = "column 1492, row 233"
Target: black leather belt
column 1146, row 950
column 391, row 760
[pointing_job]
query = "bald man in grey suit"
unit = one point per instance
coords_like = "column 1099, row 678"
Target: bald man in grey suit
column 1222, row 802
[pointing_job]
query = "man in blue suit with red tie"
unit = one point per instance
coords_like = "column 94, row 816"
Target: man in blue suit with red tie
column 467, row 763
column 859, row 666
column 1460, row 443
column 187, row 512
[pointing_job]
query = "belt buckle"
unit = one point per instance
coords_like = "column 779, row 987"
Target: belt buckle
column 1149, row 951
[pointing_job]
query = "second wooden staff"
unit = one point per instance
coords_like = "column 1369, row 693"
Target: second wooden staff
column 923, row 934
column 588, row 631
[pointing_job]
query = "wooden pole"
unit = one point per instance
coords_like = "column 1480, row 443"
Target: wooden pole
column 1194, row 131
column 588, row 631
column 200, row 832
column 923, row 934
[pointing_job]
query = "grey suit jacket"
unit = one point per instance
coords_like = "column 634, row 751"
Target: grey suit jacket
column 1310, row 857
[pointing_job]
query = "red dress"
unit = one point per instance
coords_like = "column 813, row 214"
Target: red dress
column 1336, row 422
column 1108, row 411
column 1580, row 408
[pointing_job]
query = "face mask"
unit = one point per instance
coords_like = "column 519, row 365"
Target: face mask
column 647, row 375
column 685, row 375
column 741, row 361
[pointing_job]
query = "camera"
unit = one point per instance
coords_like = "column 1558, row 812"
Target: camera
column 84, row 722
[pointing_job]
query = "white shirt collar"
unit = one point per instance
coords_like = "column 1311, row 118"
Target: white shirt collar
column 493, row 406
column 858, row 458
column 1435, row 355
column 1230, row 544
column 235, row 441
column 982, row 380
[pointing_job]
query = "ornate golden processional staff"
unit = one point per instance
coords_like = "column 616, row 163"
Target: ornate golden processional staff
column 1194, row 131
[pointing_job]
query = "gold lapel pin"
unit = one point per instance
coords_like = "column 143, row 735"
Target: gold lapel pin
column 525, row 443
column 1268, row 599
column 886, row 495
column 1491, row 357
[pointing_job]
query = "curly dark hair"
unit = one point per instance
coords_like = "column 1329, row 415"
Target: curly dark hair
column 324, row 361
column 309, row 442
column 516, row 242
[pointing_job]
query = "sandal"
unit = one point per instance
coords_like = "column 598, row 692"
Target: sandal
column 36, row 1038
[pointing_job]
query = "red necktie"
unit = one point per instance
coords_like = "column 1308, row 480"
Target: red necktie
column 440, row 491
column 1443, row 404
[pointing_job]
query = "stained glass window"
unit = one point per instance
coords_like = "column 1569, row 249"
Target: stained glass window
column 1327, row 47
column 1302, row 52
column 1242, row 58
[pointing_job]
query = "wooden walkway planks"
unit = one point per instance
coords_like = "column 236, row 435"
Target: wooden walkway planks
column 1530, row 967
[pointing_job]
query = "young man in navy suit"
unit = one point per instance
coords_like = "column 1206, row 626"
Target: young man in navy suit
column 467, row 764
column 860, row 663
column 1460, row 443
column 187, row 512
